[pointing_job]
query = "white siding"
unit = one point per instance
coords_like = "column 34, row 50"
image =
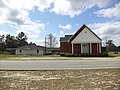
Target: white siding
column 86, row 36
column 29, row 52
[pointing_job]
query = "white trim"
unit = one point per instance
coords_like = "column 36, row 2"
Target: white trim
column 88, row 37
column 99, row 47
column 90, row 48
column 86, row 42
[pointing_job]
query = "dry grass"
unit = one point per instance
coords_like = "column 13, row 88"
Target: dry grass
column 95, row 79
column 50, row 57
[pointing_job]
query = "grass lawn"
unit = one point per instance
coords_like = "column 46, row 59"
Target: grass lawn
column 52, row 57
column 47, row 57
column 114, row 55
column 88, row 79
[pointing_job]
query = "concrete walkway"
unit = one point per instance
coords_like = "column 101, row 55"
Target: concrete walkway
column 57, row 64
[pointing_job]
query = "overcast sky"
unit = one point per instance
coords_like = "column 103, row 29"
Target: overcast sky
column 38, row 18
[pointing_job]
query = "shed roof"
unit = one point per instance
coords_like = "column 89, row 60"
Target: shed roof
column 66, row 38
column 31, row 47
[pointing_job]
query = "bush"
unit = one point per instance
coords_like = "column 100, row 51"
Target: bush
column 62, row 54
column 84, row 55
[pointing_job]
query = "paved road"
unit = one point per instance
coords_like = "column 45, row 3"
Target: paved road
column 57, row 64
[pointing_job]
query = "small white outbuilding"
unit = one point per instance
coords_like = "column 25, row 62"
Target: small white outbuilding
column 30, row 50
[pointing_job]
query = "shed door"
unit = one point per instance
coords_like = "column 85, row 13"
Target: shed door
column 85, row 47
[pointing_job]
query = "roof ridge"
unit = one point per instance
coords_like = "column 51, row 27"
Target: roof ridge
column 80, row 30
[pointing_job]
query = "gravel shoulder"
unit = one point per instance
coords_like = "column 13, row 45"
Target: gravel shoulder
column 88, row 79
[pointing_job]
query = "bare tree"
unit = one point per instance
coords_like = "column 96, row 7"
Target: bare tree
column 51, row 41
column 2, row 38
column 110, row 46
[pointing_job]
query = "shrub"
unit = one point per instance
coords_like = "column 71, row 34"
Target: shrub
column 84, row 55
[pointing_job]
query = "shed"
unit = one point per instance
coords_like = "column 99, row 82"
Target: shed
column 30, row 50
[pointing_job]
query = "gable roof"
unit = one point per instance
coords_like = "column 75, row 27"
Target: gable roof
column 31, row 47
column 79, row 31
column 66, row 38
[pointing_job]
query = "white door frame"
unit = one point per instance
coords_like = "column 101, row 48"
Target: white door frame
column 85, row 47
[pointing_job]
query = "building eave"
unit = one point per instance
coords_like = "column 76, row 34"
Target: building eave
column 79, row 31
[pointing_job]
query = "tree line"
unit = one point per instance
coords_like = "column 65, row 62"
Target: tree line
column 10, row 41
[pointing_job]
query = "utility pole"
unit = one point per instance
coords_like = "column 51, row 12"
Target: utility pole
column 45, row 44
